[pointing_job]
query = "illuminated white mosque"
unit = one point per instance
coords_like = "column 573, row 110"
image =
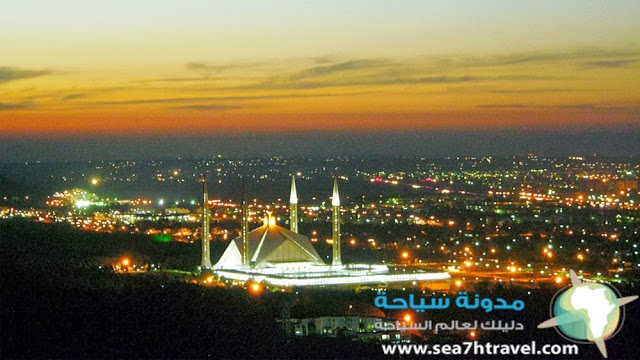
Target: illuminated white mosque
column 283, row 257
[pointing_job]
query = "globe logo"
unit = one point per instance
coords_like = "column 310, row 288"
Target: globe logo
column 587, row 312
column 590, row 311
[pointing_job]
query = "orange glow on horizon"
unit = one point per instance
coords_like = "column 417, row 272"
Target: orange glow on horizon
column 146, row 120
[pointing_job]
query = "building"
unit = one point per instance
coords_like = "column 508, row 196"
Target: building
column 205, row 263
column 357, row 322
column 281, row 257
column 271, row 246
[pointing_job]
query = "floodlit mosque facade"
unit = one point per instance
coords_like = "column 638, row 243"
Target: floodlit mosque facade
column 283, row 257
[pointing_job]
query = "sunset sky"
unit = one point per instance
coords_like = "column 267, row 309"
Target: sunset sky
column 70, row 68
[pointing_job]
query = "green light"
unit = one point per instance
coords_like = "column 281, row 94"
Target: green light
column 164, row 238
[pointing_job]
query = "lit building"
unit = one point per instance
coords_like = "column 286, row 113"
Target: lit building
column 271, row 246
column 293, row 206
column 358, row 321
column 281, row 257
column 335, row 204
column 206, row 221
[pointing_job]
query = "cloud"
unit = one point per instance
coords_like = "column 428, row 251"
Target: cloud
column 155, row 101
column 577, row 106
column 611, row 63
column 207, row 69
column 208, row 107
column 593, row 54
column 196, row 81
column 325, row 72
column 12, row 74
column 221, row 98
column 532, row 106
column 73, row 97
column 178, row 79
column 495, row 90
column 504, row 106
column 380, row 79
column 195, row 66
column 204, row 70
column 352, row 65
column 585, row 107
column 15, row 106
column 373, row 81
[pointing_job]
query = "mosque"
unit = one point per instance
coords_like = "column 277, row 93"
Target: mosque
column 283, row 257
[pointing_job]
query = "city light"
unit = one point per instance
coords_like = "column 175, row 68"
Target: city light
column 457, row 255
column 125, row 262
column 82, row 203
column 255, row 288
column 407, row 318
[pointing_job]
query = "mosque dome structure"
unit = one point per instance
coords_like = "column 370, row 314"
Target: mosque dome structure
column 271, row 246
column 283, row 257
